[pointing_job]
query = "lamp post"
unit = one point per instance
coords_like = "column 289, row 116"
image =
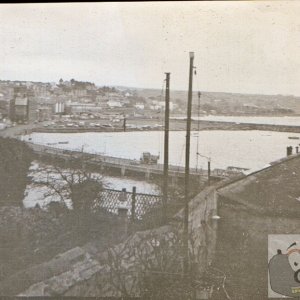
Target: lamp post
column 208, row 166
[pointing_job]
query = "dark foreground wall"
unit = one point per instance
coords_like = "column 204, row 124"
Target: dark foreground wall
column 242, row 247
column 15, row 159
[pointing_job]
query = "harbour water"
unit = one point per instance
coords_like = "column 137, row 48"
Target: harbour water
column 38, row 191
column 246, row 149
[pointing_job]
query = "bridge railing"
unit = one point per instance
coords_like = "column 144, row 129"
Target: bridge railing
column 99, row 157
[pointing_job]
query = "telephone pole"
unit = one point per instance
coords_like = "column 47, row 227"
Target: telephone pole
column 187, row 167
column 124, row 123
column 166, row 148
column 208, row 171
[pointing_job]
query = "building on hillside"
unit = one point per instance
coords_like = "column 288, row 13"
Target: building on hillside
column 80, row 108
column 45, row 112
column 78, row 92
column 114, row 103
column 42, row 90
column 6, row 95
column 4, row 108
column 160, row 105
column 6, row 92
column 101, row 98
column 33, row 111
column 59, row 108
column 140, row 106
column 21, row 109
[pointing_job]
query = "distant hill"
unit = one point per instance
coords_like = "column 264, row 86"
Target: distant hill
column 233, row 103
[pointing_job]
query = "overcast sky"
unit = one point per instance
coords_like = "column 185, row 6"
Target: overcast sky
column 247, row 47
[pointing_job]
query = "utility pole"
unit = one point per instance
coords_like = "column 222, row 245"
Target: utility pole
column 124, row 123
column 187, row 167
column 198, row 133
column 208, row 171
column 166, row 148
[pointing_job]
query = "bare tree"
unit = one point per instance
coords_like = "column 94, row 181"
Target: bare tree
column 72, row 186
column 67, row 181
column 150, row 265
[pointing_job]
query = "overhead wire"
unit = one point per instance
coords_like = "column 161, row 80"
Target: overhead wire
column 198, row 154
column 198, row 119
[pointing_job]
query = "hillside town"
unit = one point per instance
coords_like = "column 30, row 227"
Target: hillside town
column 23, row 102
column 73, row 104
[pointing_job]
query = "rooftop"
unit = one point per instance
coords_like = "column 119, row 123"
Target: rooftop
column 274, row 189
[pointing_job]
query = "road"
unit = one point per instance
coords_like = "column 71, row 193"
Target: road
column 19, row 129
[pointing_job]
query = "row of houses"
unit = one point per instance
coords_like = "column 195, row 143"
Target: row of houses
column 37, row 101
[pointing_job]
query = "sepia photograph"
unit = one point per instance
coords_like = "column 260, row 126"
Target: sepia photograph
column 150, row 150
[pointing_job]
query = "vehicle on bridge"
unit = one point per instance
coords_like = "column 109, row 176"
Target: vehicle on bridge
column 148, row 158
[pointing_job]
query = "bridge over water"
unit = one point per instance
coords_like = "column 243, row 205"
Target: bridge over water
column 126, row 166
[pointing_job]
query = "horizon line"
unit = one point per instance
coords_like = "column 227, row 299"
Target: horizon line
column 159, row 89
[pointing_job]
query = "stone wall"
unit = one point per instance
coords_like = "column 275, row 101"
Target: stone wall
column 122, row 265
column 119, row 270
column 203, row 226
column 202, row 244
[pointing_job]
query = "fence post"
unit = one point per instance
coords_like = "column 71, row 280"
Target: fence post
column 133, row 203
column 122, row 211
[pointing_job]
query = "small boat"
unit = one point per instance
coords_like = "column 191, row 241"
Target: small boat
column 294, row 137
column 63, row 142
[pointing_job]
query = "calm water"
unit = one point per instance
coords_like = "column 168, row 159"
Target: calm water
column 37, row 193
column 247, row 149
column 285, row 120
